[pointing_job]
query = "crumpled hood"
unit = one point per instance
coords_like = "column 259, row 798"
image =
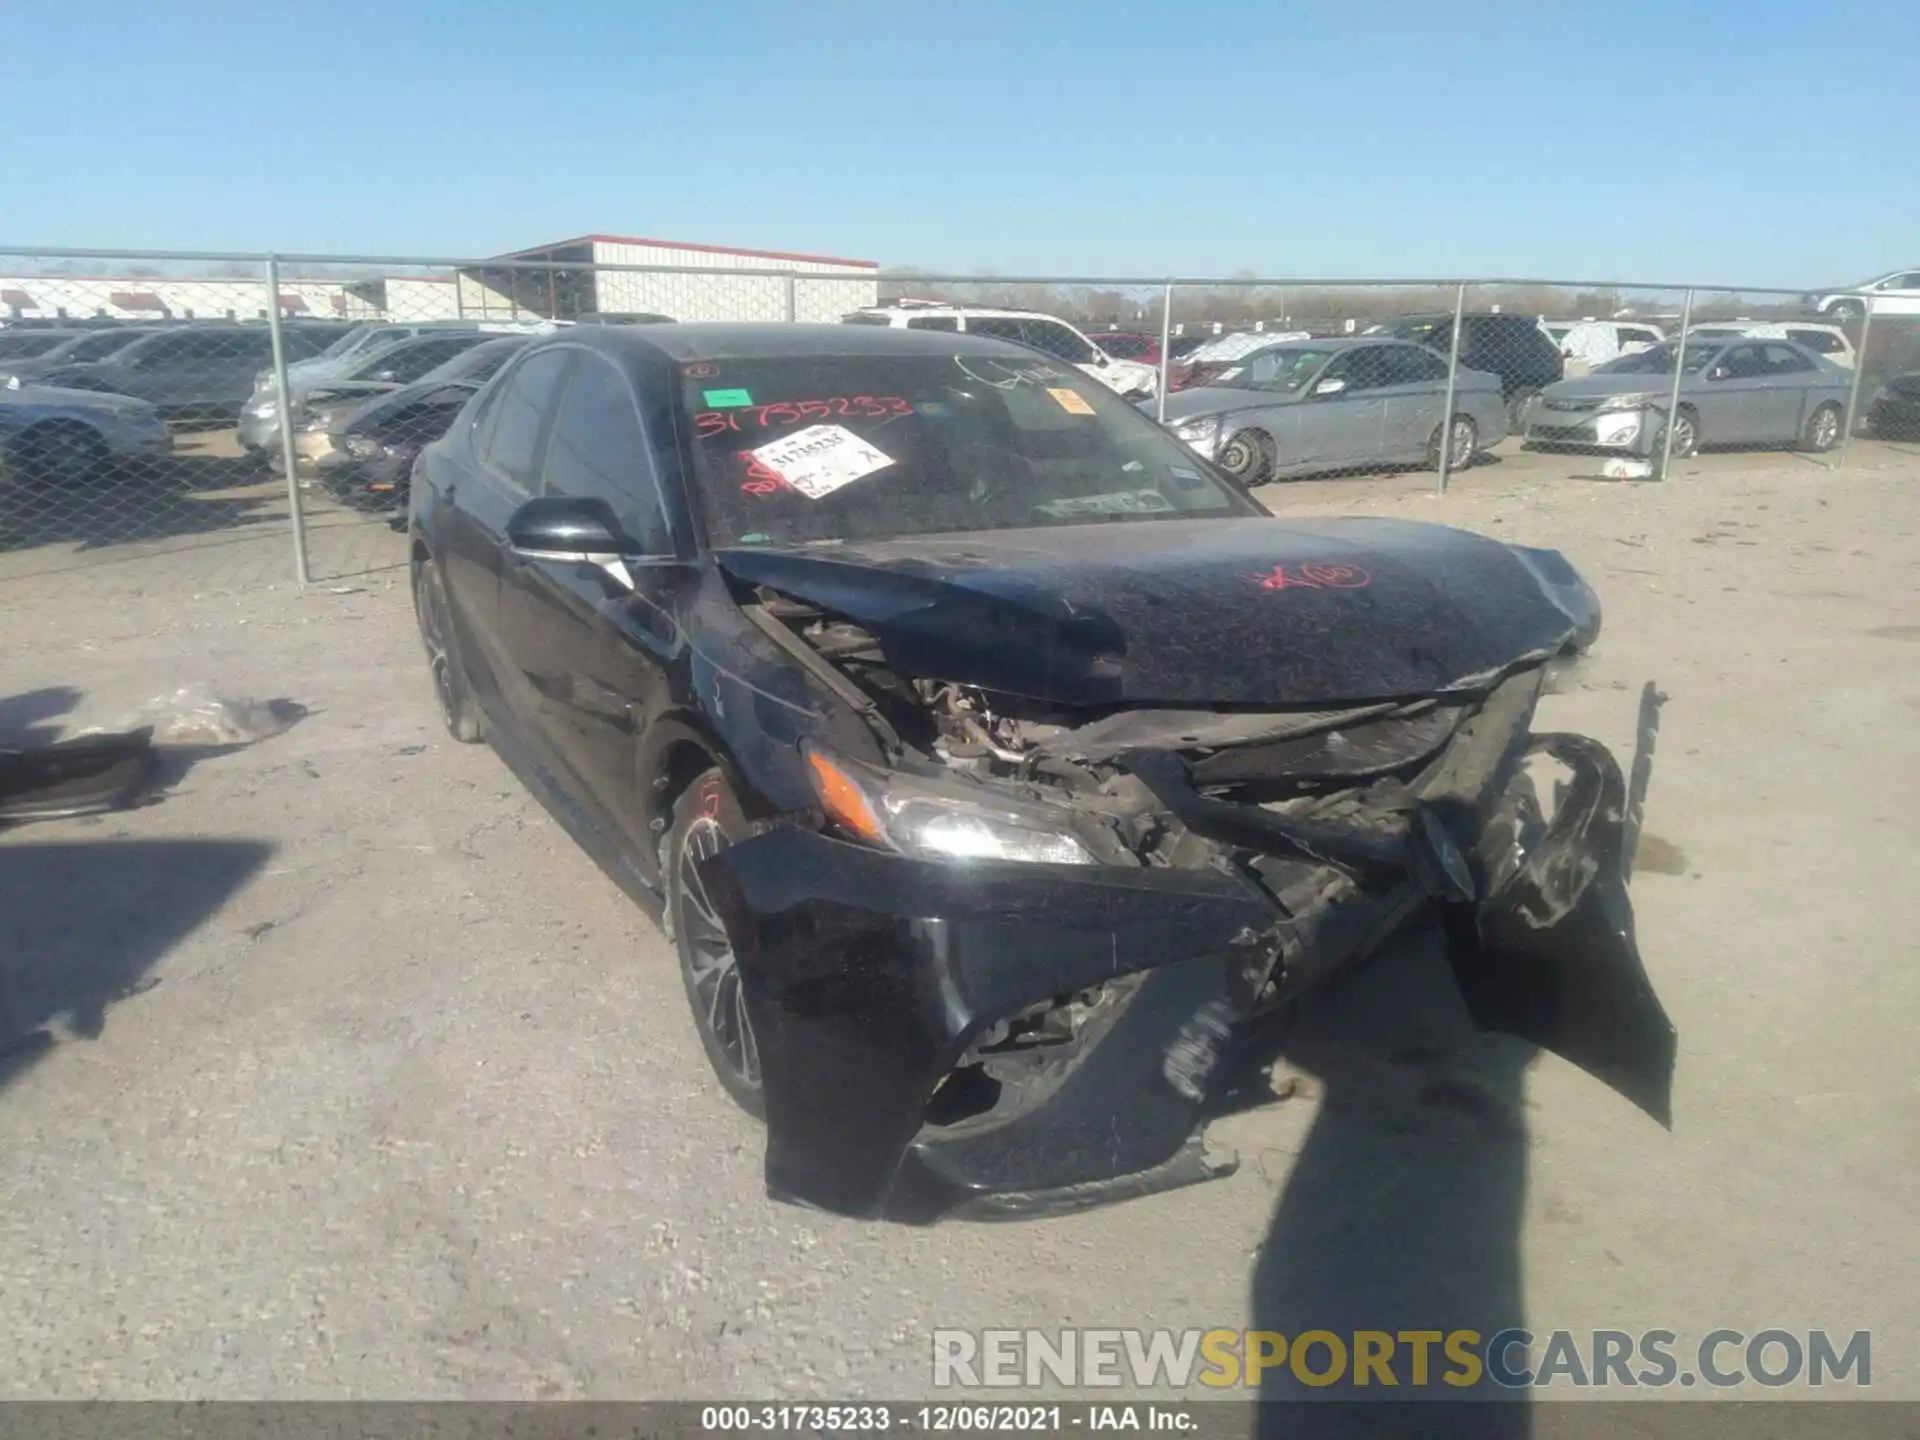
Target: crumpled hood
column 1238, row 611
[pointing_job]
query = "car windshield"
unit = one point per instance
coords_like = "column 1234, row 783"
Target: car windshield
column 26, row 345
column 1421, row 330
column 1281, row 368
column 477, row 364
column 1658, row 360
column 792, row 449
column 343, row 344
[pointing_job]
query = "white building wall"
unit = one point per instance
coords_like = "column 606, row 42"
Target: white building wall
column 416, row 299
column 823, row 290
column 84, row 297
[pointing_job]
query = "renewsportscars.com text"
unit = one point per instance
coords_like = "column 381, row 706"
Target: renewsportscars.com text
column 1513, row 1359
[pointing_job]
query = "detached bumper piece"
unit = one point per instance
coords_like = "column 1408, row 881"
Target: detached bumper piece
column 84, row 776
column 1549, row 955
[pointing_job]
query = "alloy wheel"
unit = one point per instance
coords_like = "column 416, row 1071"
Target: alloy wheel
column 713, row 971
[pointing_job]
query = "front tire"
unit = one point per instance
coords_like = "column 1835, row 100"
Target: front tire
column 459, row 711
column 1517, row 410
column 1248, row 457
column 1823, row 430
column 1463, row 444
column 1686, row 437
column 706, row 819
column 1848, row 311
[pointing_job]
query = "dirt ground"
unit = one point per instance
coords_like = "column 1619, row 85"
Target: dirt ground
column 342, row 1072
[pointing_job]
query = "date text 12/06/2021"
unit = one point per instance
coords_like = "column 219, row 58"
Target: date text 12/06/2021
column 951, row 1419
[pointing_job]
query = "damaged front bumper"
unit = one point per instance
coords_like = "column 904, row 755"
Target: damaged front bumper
column 996, row 1039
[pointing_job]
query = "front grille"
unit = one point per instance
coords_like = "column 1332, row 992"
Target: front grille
column 1342, row 755
column 1575, row 405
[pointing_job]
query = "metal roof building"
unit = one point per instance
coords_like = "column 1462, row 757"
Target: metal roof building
column 567, row 279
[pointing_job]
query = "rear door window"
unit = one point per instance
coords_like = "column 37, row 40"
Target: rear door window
column 1785, row 360
column 1408, row 365
column 1744, row 362
column 1818, row 341
column 997, row 327
column 1362, row 369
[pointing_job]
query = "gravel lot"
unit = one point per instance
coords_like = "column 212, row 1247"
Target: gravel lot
column 342, row 1072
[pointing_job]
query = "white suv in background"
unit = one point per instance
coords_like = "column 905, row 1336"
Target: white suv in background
column 1895, row 294
column 1024, row 327
column 1829, row 342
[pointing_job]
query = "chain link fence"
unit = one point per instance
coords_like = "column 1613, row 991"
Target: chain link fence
column 256, row 419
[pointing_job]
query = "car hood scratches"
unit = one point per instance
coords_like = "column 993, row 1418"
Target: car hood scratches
column 1198, row 612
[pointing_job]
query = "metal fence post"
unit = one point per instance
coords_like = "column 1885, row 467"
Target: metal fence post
column 1166, row 345
column 1853, row 390
column 1453, row 380
column 1673, row 395
column 793, row 298
column 283, row 402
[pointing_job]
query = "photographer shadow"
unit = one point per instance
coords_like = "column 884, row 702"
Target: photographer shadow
column 1404, row 1205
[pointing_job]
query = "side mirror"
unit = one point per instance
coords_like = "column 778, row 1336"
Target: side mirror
column 384, row 375
column 563, row 528
column 1330, row 387
column 1718, row 372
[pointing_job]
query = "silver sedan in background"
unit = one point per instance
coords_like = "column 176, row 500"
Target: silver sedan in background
column 1303, row 407
column 1733, row 391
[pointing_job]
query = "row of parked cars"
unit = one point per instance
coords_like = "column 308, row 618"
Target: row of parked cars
column 366, row 398
column 73, row 403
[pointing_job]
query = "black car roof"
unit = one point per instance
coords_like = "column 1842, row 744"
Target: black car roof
column 688, row 341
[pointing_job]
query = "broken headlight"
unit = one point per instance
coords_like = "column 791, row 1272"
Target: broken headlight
column 1202, row 432
column 932, row 819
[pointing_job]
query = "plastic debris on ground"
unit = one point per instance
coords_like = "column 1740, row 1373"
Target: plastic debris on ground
column 1622, row 469
column 196, row 715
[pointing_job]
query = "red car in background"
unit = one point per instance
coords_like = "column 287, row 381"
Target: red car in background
column 1128, row 345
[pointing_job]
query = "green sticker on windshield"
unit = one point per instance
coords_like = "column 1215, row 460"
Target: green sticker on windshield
column 720, row 399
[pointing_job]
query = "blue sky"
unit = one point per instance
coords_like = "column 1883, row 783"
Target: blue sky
column 1747, row 141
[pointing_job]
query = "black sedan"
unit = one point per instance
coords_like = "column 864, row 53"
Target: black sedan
column 1893, row 413
column 368, row 447
column 993, row 762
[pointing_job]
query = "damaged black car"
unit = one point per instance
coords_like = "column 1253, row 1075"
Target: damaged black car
column 995, row 764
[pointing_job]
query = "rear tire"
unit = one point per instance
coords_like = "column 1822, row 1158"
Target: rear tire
column 1248, row 457
column 706, row 819
column 459, row 711
column 1823, row 429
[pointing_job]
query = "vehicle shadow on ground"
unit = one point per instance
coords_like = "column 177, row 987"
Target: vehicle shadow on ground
column 169, row 498
column 34, row 717
column 1404, row 1206
column 83, row 922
